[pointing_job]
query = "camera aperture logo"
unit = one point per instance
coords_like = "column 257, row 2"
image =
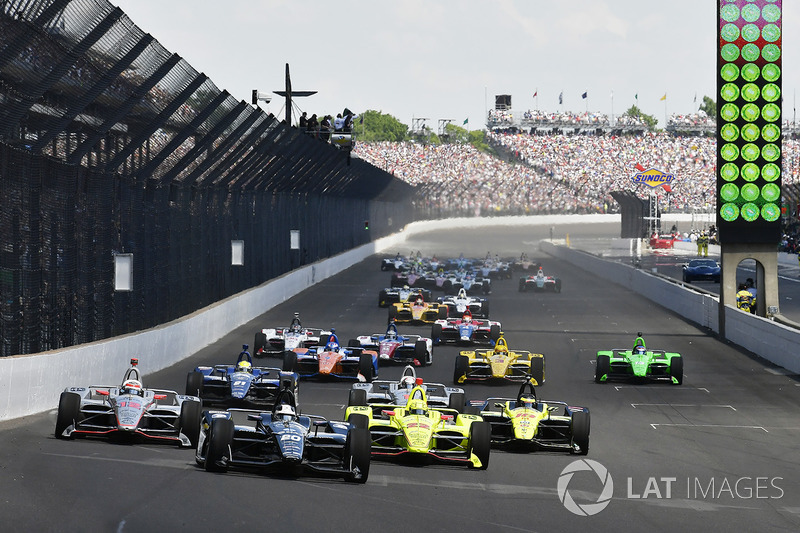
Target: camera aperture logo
column 596, row 470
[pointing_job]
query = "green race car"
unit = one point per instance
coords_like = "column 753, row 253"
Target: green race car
column 639, row 363
column 417, row 431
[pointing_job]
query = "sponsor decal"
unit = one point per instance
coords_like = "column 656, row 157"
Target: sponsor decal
column 653, row 178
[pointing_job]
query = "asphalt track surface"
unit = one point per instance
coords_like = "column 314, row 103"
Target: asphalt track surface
column 716, row 453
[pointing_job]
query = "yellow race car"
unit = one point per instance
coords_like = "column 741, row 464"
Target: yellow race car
column 415, row 430
column 499, row 363
column 417, row 312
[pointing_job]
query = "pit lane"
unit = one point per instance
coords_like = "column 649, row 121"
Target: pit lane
column 733, row 418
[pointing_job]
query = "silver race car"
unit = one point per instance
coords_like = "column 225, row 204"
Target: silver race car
column 397, row 392
column 129, row 411
column 275, row 341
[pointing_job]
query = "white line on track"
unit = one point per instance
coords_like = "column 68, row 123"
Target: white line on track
column 683, row 405
column 619, row 387
column 656, row 426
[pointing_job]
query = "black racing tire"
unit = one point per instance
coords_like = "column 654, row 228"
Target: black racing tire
column 69, row 412
column 359, row 421
column 290, row 361
column 494, row 332
column 456, row 401
column 485, row 309
column 357, row 397
column 580, row 431
column 260, row 342
column 522, row 286
column 446, row 284
column 480, row 442
column 421, row 352
column 353, row 343
column 442, row 312
column 461, row 369
column 392, row 312
column 219, row 441
column 602, row 368
column 358, row 454
column 194, row 384
column 383, row 299
column 436, row 334
column 365, row 366
column 686, row 279
column 558, row 285
column 676, row 369
column 323, row 339
column 190, row 421
column 537, row 369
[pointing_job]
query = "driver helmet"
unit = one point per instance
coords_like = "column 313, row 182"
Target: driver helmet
column 527, row 400
column 132, row 386
column 419, row 300
column 407, row 382
column 333, row 342
column 391, row 331
column 285, row 411
column 540, row 273
column 244, row 366
column 467, row 317
column 417, row 407
column 639, row 349
column 500, row 346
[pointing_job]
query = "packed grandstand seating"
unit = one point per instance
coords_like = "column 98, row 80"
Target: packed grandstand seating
column 556, row 173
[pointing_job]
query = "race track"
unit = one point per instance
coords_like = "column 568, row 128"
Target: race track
column 716, row 453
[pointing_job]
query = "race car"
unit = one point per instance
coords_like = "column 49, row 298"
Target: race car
column 129, row 412
column 332, row 360
column 416, row 430
column 275, row 341
column 639, row 364
column 702, row 270
column 394, row 263
column 465, row 330
column 499, row 363
column 460, row 303
column 524, row 263
column 240, row 385
column 405, row 293
column 470, row 281
column 526, row 423
column 539, row 283
column 280, row 439
column 395, row 348
column 397, row 392
column 417, row 312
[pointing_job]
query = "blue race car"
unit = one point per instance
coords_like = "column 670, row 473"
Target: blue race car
column 240, row 385
column 701, row 270
column 332, row 361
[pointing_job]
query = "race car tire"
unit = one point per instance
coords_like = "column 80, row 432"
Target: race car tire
column 383, row 299
column 323, row 340
column 436, row 334
column 480, row 442
column 485, row 309
column 421, row 352
column 392, row 312
column 602, row 368
column 456, row 401
column 494, row 332
column 69, row 411
column 289, row 361
column 676, row 369
column 580, row 431
column 358, row 452
column 190, row 421
column 353, row 343
column 442, row 312
column 357, row 397
column 522, row 285
column 686, row 279
column 558, row 285
column 537, row 369
column 462, row 367
column 194, row 384
column 359, row 421
column 219, row 442
column 365, row 366
column 260, row 342
column 446, row 285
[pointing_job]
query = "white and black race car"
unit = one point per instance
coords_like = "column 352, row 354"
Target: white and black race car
column 276, row 341
column 460, row 303
column 397, row 392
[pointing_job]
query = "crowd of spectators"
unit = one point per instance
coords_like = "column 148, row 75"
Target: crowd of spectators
column 557, row 173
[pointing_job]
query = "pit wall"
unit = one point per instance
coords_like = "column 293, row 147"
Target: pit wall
column 32, row 383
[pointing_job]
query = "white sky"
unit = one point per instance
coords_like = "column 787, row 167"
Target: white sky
column 446, row 59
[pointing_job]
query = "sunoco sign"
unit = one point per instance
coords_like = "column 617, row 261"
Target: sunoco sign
column 653, row 178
